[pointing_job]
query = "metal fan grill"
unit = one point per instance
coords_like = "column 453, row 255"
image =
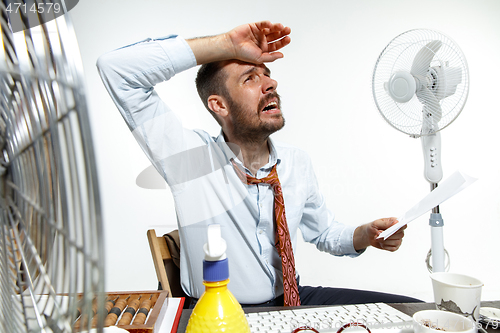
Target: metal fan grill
column 399, row 56
column 51, row 257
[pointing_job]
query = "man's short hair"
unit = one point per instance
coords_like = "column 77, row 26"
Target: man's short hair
column 211, row 80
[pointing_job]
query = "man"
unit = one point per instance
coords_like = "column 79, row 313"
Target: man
column 207, row 174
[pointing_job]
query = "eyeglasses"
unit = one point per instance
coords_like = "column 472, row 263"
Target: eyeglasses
column 342, row 328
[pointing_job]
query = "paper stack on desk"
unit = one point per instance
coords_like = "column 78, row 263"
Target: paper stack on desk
column 448, row 188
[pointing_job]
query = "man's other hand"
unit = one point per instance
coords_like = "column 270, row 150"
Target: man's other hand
column 366, row 235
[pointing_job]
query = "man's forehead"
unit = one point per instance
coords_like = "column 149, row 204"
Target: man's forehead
column 239, row 68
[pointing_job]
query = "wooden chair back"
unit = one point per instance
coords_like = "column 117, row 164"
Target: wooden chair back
column 167, row 272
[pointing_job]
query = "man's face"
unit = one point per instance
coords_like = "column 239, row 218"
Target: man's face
column 254, row 105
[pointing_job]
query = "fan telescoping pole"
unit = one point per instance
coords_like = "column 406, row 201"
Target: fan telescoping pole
column 437, row 239
column 433, row 172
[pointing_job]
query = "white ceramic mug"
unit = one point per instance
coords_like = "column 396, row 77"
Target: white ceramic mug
column 457, row 293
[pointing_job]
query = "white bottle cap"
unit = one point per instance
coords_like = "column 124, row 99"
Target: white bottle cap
column 215, row 248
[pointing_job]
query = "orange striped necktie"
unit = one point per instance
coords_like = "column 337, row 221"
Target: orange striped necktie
column 283, row 243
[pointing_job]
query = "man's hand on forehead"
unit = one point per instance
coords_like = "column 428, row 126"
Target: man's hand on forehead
column 256, row 43
column 274, row 33
column 259, row 42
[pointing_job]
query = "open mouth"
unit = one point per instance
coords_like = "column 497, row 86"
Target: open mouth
column 272, row 106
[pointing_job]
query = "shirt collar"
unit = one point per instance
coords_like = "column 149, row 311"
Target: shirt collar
column 223, row 145
column 273, row 153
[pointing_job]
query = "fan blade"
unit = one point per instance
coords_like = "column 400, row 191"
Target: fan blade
column 424, row 57
column 432, row 111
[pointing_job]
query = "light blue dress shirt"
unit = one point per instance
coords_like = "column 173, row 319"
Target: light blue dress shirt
column 206, row 188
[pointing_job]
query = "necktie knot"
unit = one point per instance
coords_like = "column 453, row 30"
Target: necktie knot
column 271, row 179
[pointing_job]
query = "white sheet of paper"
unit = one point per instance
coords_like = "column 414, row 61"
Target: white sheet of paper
column 448, row 188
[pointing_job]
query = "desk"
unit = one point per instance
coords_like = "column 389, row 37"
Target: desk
column 408, row 308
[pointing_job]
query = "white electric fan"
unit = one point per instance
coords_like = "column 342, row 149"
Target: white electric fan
column 420, row 85
column 51, row 251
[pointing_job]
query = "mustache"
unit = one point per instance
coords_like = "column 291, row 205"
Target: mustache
column 265, row 100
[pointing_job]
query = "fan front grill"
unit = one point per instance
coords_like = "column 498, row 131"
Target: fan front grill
column 399, row 56
column 50, row 230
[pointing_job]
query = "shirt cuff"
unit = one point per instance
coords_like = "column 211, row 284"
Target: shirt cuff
column 347, row 241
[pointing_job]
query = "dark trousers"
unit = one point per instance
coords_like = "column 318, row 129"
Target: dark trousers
column 335, row 296
column 339, row 296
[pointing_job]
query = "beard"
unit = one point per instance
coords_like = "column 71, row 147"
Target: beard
column 250, row 127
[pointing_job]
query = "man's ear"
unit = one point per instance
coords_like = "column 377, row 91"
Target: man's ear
column 218, row 105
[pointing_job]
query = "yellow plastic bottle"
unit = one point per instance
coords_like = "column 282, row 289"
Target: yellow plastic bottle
column 217, row 310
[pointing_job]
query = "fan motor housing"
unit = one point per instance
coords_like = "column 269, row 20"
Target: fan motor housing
column 401, row 86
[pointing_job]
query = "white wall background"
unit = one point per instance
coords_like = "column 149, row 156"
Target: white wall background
column 366, row 169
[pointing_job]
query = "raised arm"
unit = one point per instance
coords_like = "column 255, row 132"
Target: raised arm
column 130, row 72
column 254, row 42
